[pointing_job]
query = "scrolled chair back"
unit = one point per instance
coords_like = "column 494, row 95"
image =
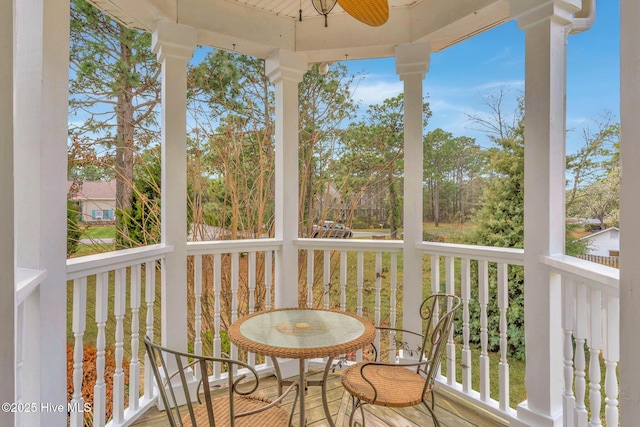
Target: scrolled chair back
column 175, row 372
column 438, row 312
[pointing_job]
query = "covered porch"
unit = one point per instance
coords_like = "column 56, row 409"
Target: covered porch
column 572, row 307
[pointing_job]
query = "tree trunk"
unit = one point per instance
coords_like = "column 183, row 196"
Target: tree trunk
column 124, row 154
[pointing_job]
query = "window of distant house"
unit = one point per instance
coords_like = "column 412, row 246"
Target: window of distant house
column 102, row 214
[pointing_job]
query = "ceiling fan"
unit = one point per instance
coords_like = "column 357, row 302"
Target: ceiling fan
column 371, row 12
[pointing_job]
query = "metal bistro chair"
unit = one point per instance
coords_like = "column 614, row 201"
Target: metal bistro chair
column 237, row 408
column 393, row 385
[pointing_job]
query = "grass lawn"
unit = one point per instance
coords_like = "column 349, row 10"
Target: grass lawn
column 93, row 248
column 98, row 232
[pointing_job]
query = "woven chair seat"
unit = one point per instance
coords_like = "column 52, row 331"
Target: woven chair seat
column 396, row 386
column 276, row 416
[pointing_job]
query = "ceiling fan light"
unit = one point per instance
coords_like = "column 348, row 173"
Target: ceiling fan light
column 324, row 7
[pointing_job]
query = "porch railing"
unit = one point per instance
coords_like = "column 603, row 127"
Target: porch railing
column 591, row 325
column 237, row 277
column 231, row 278
column 451, row 272
column 112, row 279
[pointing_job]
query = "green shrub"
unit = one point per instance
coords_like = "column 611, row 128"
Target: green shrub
column 73, row 229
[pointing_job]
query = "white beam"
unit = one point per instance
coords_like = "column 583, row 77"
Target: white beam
column 544, row 23
column 629, row 212
column 412, row 62
column 174, row 44
column 285, row 69
column 7, row 232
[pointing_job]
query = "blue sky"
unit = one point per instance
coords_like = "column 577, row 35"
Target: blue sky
column 461, row 75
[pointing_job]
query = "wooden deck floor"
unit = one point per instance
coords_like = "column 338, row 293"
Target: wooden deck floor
column 449, row 412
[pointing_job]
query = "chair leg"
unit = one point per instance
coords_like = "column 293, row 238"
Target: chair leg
column 436, row 423
column 356, row 404
column 293, row 407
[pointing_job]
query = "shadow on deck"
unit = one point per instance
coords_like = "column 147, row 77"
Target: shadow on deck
column 450, row 412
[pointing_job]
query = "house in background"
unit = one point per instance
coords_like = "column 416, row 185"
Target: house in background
column 604, row 242
column 96, row 200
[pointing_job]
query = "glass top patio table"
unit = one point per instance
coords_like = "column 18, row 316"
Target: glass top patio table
column 298, row 333
column 301, row 333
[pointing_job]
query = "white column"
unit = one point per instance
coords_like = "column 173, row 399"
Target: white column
column 285, row 70
column 174, row 44
column 412, row 62
column 7, row 232
column 544, row 23
column 40, row 155
column 629, row 212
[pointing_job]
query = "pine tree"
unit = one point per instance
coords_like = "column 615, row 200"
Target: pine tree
column 114, row 91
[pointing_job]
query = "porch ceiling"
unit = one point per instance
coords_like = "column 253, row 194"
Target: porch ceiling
column 257, row 27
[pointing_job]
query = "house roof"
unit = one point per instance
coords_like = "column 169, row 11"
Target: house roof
column 94, row 190
column 608, row 230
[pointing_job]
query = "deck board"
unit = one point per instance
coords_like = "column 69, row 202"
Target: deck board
column 450, row 412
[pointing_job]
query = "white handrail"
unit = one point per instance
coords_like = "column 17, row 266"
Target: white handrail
column 513, row 256
column 100, row 263
column 28, row 280
column 598, row 276
column 232, row 246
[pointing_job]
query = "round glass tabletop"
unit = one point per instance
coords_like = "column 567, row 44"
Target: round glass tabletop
column 301, row 333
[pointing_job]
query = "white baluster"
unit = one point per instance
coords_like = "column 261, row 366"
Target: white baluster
column 595, row 344
column 235, row 274
column 465, row 267
column 268, row 283
column 326, row 277
column 251, row 357
column 392, row 309
column 360, row 281
column 435, row 288
column 435, row 274
column 568, row 317
column 134, row 364
column 149, row 298
column 378, row 300
column 268, row 278
column 580, row 360
column 451, row 346
column 503, row 305
column 611, row 354
column 483, row 296
column 78, row 327
column 217, row 291
column 102, row 312
column 343, row 281
column 119, row 308
column 197, row 294
column 252, row 282
column 360, row 284
column 310, row 264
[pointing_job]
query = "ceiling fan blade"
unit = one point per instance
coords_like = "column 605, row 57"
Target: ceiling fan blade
column 371, row 12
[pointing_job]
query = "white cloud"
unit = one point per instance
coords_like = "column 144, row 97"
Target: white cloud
column 507, row 84
column 371, row 91
column 505, row 53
